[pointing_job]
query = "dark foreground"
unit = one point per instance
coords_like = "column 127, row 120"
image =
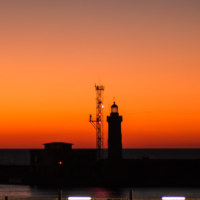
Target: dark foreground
column 136, row 173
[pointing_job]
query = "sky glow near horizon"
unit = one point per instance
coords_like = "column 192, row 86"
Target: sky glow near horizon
column 145, row 53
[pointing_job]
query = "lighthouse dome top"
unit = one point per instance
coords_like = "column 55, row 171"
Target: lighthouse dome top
column 114, row 108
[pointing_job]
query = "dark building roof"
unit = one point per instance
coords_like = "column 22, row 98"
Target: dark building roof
column 58, row 145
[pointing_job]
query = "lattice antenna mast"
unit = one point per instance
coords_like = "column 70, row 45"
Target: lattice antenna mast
column 98, row 122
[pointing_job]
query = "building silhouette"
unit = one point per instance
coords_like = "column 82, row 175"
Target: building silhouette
column 59, row 160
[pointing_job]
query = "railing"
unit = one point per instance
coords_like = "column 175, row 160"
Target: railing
column 110, row 199
column 50, row 198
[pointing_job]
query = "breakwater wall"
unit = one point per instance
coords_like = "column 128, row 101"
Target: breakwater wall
column 16, row 174
column 133, row 172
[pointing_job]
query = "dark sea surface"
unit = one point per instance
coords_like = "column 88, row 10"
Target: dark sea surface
column 21, row 157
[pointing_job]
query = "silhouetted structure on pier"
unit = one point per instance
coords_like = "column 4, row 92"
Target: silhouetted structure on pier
column 58, row 159
column 114, row 134
column 98, row 121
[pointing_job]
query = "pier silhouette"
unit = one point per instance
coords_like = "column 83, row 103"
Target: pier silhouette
column 58, row 163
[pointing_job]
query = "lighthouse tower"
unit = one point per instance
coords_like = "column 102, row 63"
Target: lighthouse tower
column 114, row 134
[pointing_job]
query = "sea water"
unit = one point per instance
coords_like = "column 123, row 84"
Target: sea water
column 95, row 192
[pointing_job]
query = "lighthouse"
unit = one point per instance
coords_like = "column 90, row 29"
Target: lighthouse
column 114, row 134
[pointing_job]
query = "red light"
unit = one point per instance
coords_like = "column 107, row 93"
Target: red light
column 60, row 163
column 99, row 114
column 99, row 122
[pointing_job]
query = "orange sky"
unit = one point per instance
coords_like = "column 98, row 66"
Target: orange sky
column 146, row 53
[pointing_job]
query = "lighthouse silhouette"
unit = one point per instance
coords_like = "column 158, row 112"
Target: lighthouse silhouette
column 114, row 134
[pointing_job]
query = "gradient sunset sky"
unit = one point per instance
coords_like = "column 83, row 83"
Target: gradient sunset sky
column 145, row 52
